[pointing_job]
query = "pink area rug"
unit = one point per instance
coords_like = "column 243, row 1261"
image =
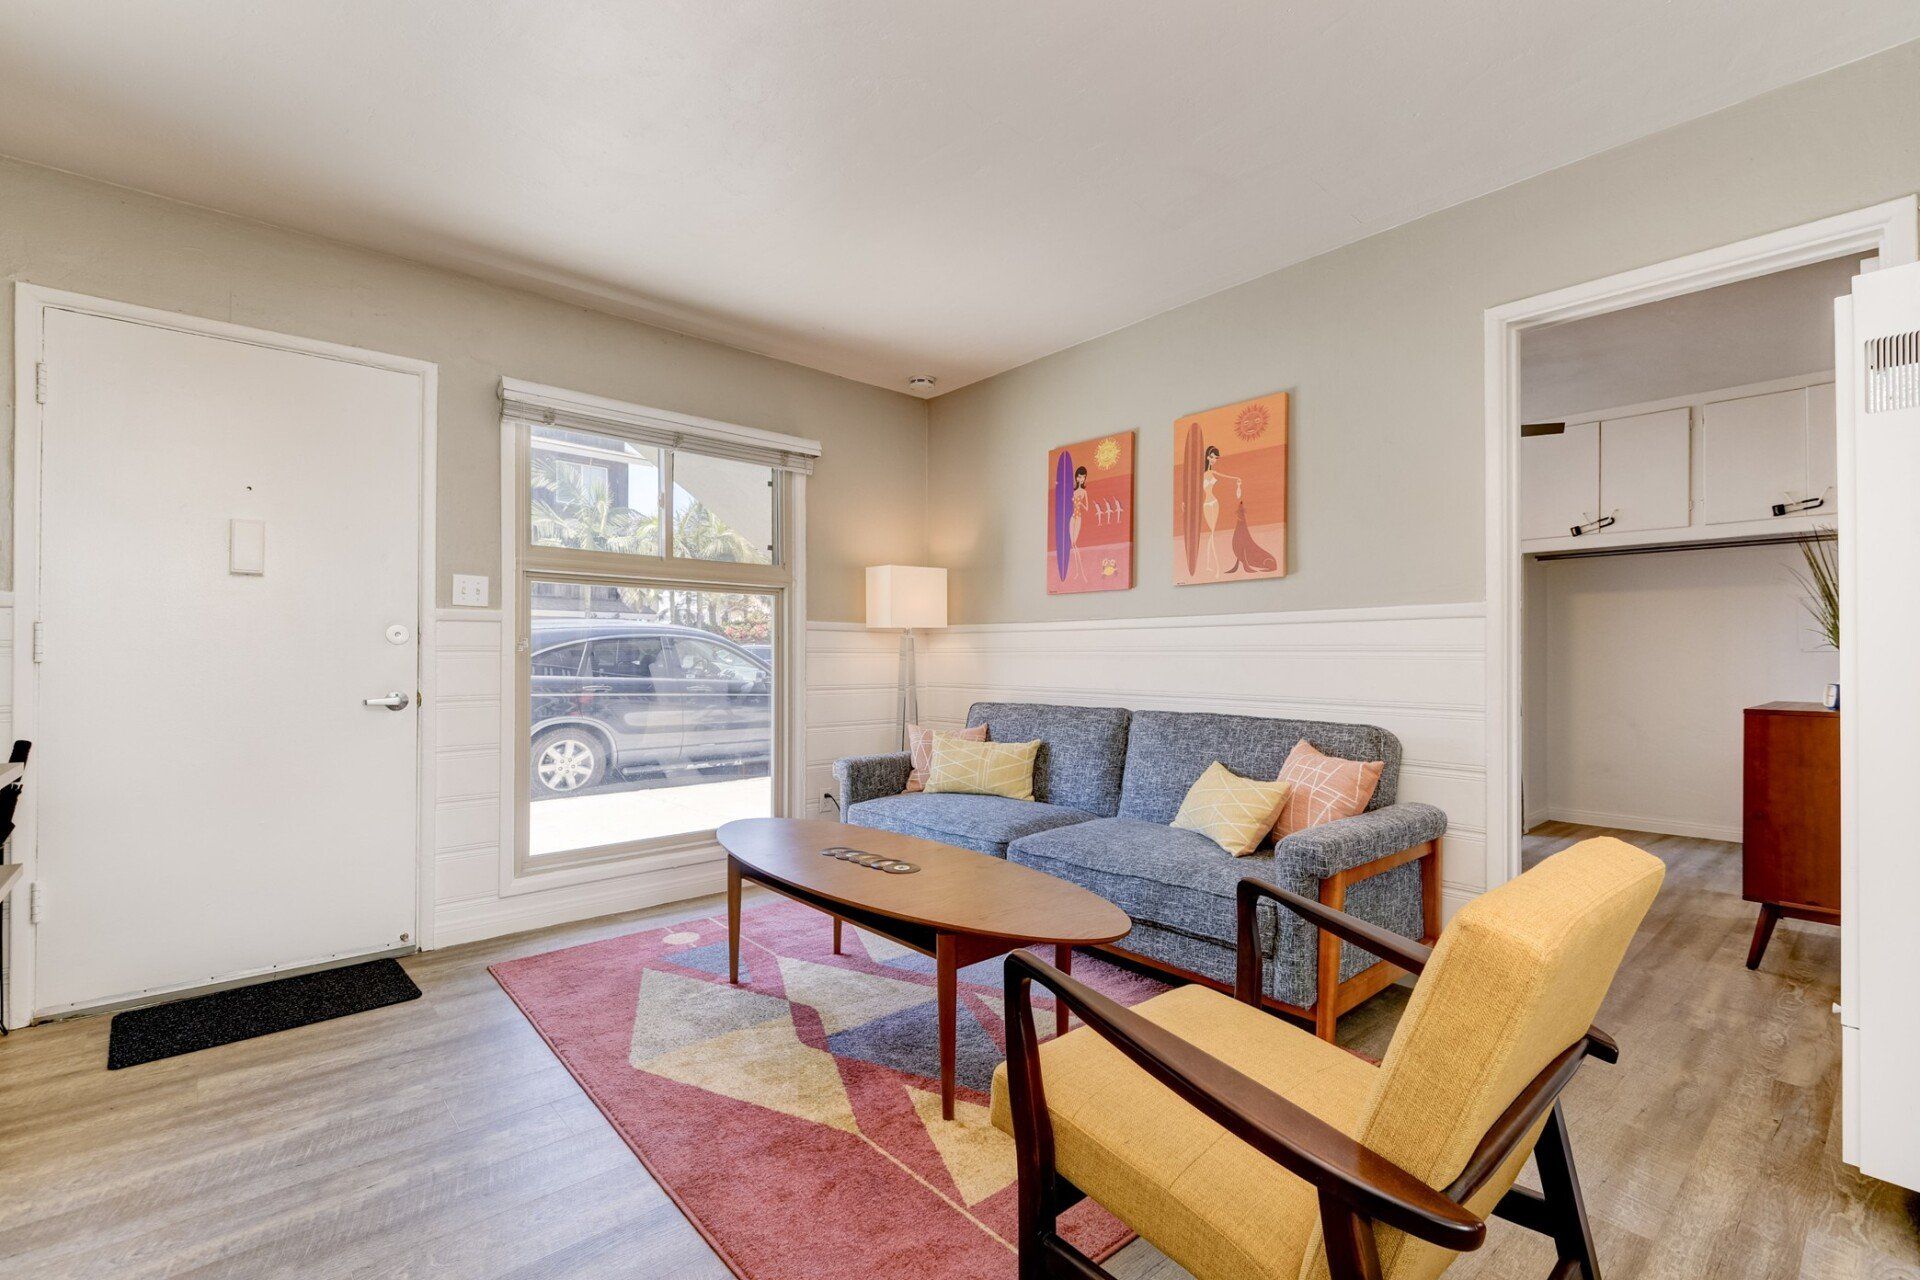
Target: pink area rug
column 795, row 1119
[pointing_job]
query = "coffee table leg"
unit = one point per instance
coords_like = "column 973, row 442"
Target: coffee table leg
column 946, row 989
column 1063, row 961
column 836, row 935
column 733, row 920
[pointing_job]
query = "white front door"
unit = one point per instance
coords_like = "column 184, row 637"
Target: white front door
column 213, row 797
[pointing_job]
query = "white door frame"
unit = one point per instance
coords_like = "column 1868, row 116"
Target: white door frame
column 1891, row 229
column 31, row 305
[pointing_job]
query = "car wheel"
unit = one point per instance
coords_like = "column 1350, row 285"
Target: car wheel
column 566, row 761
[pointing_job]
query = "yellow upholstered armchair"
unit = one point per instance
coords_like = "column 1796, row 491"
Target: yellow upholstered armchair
column 1245, row 1148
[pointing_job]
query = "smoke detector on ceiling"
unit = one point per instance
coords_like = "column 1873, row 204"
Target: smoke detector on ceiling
column 920, row 382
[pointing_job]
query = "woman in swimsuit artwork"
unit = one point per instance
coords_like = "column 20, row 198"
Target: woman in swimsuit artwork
column 1079, row 517
column 1210, row 509
column 1230, row 482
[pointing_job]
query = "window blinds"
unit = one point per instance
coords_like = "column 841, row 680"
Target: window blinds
column 553, row 407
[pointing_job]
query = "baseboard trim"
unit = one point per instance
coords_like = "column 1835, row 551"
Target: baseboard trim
column 1642, row 822
column 482, row 918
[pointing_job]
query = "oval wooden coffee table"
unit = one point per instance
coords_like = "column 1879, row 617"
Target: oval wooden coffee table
column 958, row 906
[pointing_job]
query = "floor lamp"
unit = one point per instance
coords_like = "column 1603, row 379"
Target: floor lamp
column 906, row 597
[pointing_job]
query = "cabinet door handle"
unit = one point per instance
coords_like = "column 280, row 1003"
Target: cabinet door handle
column 1795, row 508
column 1592, row 526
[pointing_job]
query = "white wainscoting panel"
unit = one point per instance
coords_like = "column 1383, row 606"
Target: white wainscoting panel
column 1417, row 671
column 853, row 682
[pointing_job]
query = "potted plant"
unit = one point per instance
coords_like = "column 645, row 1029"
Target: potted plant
column 1821, row 582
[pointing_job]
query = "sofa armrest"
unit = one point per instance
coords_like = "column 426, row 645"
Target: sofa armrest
column 870, row 777
column 1333, row 847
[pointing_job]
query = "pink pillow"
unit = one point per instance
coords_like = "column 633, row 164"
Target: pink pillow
column 920, row 747
column 1325, row 788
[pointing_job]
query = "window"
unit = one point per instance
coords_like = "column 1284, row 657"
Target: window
column 652, row 652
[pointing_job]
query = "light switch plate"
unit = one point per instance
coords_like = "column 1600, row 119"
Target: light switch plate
column 247, row 547
column 470, row 589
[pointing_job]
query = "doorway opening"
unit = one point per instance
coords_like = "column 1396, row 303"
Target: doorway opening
column 1648, row 449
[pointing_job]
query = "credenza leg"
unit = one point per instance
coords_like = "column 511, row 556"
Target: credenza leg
column 1762, row 933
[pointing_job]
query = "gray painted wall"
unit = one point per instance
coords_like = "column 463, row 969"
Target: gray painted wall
column 864, row 501
column 1777, row 326
column 1380, row 344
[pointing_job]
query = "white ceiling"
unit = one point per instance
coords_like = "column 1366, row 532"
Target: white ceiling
column 1773, row 326
column 869, row 187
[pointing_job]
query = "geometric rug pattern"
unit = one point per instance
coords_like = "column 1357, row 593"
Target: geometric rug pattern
column 795, row 1118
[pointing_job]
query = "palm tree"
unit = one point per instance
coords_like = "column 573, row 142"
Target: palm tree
column 699, row 534
column 570, row 510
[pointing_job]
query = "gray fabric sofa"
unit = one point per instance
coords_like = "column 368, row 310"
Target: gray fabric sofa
column 1106, row 784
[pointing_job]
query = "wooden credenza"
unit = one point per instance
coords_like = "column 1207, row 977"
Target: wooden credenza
column 1791, row 817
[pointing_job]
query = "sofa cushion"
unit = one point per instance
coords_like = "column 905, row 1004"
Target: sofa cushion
column 960, row 767
column 983, row 823
column 1082, row 753
column 1322, row 789
column 920, row 749
column 1167, row 751
column 1178, row 880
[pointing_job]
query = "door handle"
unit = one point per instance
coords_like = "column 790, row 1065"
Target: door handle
column 1798, row 506
column 395, row 701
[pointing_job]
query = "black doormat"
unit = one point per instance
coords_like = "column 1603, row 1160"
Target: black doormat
column 201, row 1022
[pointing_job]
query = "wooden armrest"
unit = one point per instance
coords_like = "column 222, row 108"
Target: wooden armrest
column 1291, row 1137
column 1385, row 943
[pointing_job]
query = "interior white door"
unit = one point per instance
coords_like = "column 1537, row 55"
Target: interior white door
column 1559, row 479
column 213, row 798
column 1753, row 455
column 1644, row 481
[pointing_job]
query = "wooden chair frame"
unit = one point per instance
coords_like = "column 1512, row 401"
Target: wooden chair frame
column 1358, row 1188
column 1332, row 997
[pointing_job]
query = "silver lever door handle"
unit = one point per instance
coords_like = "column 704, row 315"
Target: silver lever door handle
column 395, row 701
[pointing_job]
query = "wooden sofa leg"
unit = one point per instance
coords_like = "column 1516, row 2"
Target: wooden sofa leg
column 1431, row 889
column 1326, row 999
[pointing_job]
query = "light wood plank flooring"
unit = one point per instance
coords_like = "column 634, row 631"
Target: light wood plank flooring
column 440, row 1138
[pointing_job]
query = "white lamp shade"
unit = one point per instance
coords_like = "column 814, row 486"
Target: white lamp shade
column 906, row 596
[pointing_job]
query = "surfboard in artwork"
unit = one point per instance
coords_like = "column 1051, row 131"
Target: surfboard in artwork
column 1090, row 515
column 1230, row 492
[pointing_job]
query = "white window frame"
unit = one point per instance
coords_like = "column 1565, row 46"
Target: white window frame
column 521, row 562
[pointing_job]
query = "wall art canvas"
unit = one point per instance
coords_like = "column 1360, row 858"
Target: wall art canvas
column 1230, row 492
column 1090, row 516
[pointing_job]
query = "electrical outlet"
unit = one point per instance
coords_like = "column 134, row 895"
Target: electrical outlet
column 470, row 589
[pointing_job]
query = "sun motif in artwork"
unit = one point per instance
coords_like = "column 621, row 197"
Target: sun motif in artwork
column 1106, row 454
column 1251, row 422
column 1109, row 567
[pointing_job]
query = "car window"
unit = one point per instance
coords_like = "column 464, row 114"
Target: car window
column 565, row 660
column 630, row 657
column 705, row 660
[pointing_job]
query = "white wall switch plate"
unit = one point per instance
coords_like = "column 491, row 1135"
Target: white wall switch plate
column 470, row 589
column 247, row 547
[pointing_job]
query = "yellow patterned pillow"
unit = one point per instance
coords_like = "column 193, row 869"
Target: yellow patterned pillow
column 1234, row 812
column 983, row 768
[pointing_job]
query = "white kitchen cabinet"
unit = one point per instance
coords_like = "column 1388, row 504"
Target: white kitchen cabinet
column 1645, row 472
column 1559, row 479
column 1759, row 452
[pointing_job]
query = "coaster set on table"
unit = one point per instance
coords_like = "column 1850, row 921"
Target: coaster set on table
column 860, row 858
